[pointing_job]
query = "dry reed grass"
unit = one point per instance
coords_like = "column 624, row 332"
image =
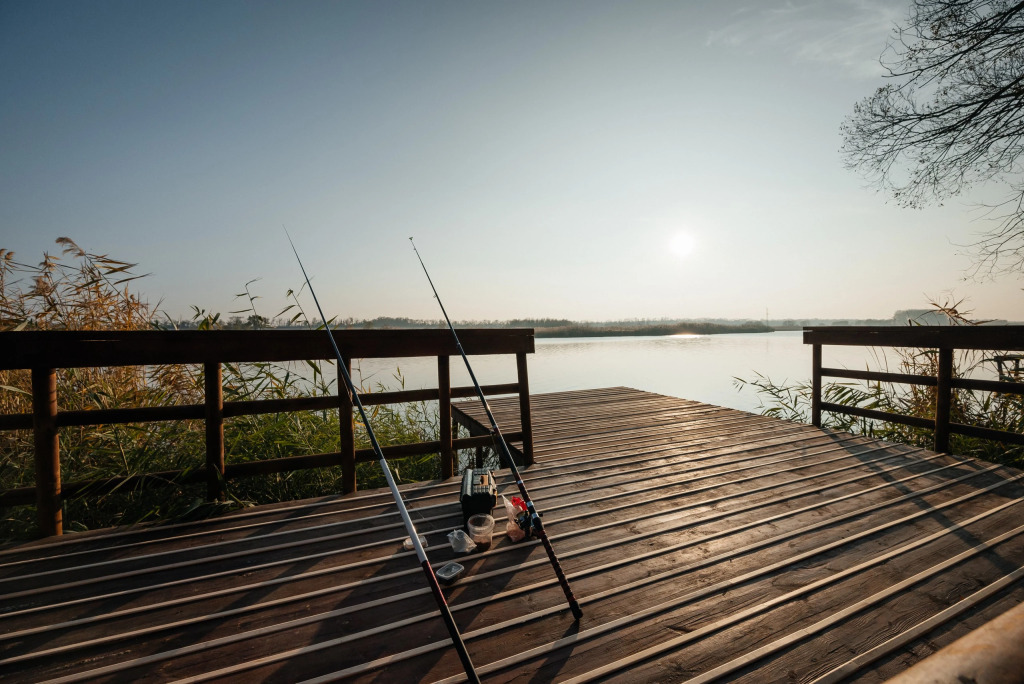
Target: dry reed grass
column 80, row 290
column 993, row 410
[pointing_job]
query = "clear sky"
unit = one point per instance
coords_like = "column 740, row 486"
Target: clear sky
column 589, row 160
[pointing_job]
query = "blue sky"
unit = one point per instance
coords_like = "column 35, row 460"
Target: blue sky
column 590, row 160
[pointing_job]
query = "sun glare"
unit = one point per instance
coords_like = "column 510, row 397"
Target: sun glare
column 682, row 244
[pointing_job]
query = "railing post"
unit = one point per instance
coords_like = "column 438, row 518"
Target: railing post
column 49, row 505
column 455, row 435
column 525, row 419
column 347, row 432
column 444, row 411
column 816, row 385
column 214, row 402
column 943, row 399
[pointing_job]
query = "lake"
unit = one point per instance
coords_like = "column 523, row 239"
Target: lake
column 698, row 367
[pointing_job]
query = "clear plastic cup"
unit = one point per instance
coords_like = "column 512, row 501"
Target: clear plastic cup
column 480, row 528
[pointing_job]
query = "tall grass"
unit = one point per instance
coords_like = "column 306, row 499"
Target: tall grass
column 79, row 290
column 993, row 410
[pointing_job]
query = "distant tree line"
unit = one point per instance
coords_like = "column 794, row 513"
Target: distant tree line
column 563, row 327
column 691, row 328
column 545, row 327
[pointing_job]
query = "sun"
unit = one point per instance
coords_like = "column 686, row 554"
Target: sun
column 682, row 244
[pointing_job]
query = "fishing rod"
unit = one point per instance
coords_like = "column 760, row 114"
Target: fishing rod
column 499, row 442
column 435, row 588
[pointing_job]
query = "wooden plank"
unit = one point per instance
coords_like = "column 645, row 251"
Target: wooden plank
column 444, row 416
column 813, row 549
column 50, row 632
column 890, row 638
column 877, row 376
column 213, row 383
column 894, row 663
column 660, row 641
column 943, row 399
column 71, row 349
column 346, row 427
column 913, row 421
column 241, row 408
column 988, row 385
column 46, row 441
column 131, row 415
column 985, row 337
column 525, row 414
column 561, row 520
column 816, row 373
column 538, row 474
column 987, row 433
column 16, row 421
column 718, row 539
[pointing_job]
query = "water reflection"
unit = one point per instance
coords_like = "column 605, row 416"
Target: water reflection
column 699, row 367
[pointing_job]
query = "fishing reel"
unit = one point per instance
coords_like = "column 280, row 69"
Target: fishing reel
column 522, row 518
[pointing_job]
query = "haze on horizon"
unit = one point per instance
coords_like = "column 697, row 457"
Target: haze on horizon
column 587, row 160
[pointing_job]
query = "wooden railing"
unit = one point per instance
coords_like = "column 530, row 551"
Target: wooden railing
column 945, row 340
column 43, row 352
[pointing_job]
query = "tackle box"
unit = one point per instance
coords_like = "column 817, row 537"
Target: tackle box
column 479, row 493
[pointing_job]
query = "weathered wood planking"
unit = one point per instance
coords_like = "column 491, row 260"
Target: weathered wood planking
column 702, row 542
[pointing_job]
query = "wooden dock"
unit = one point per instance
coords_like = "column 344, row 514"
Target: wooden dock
column 703, row 543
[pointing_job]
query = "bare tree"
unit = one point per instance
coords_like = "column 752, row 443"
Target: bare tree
column 951, row 116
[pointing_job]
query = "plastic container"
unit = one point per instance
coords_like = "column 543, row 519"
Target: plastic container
column 449, row 572
column 407, row 544
column 480, row 528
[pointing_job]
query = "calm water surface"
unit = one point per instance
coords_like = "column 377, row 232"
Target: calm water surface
column 699, row 367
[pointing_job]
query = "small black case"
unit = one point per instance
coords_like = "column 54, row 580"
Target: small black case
column 479, row 493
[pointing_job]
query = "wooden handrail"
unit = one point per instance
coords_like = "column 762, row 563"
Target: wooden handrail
column 74, row 349
column 946, row 340
column 43, row 352
column 981, row 337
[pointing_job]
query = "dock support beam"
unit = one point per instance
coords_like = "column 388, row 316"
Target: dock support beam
column 525, row 421
column 214, row 389
column 816, row 385
column 49, row 503
column 444, row 411
column 943, row 399
column 347, row 432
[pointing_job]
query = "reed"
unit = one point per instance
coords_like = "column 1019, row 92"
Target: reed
column 79, row 290
column 984, row 409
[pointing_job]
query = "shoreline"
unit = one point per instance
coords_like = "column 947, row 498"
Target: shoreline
column 653, row 330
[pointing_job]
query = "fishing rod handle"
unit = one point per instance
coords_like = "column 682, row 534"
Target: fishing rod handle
column 574, row 605
column 538, row 527
column 453, row 630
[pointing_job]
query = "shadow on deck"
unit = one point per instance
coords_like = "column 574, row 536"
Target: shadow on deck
column 703, row 543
